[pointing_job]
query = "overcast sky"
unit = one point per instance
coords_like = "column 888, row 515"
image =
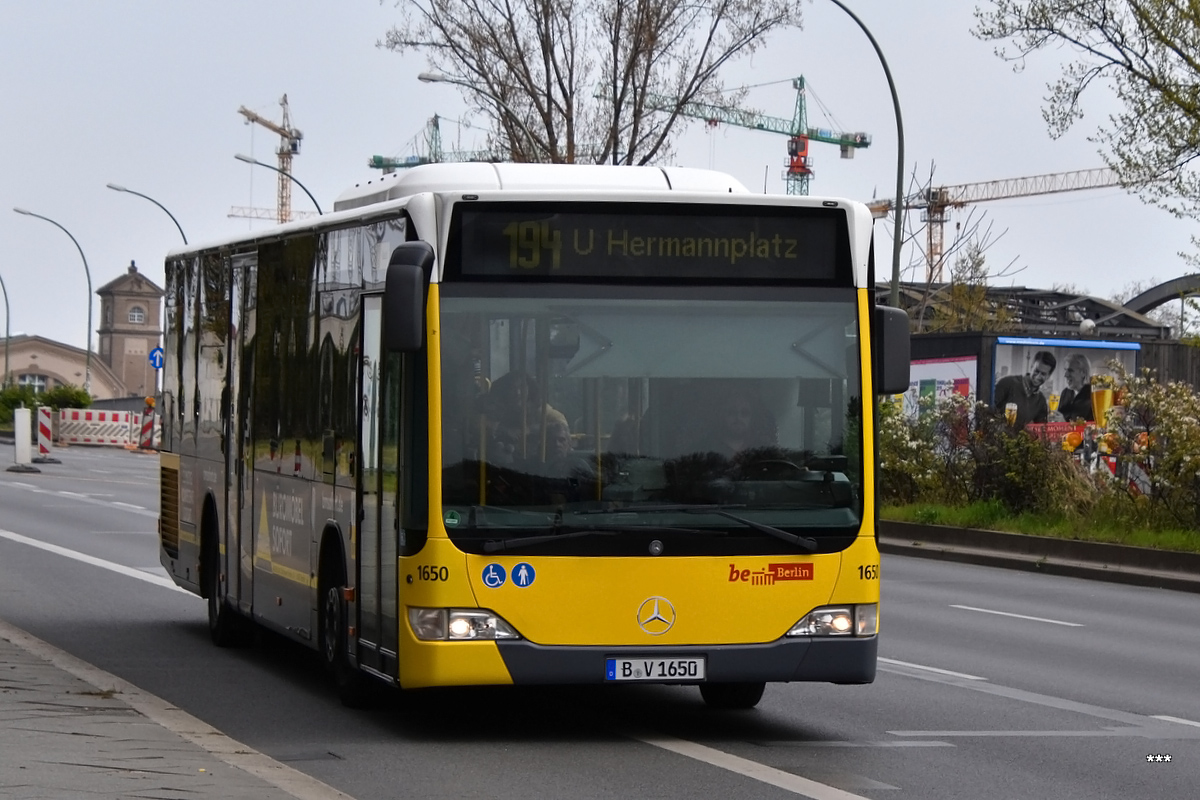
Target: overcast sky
column 146, row 94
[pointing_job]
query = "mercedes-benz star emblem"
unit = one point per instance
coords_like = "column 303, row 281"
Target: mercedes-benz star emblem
column 656, row 615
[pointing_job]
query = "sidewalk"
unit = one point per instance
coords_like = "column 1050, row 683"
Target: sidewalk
column 68, row 729
column 1137, row 566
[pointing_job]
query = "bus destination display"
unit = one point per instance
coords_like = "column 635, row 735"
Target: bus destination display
column 586, row 241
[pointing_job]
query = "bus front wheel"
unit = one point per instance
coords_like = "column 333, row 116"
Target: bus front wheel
column 351, row 684
column 732, row 695
column 224, row 626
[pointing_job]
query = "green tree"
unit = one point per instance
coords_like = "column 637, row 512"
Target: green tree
column 564, row 81
column 1148, row 53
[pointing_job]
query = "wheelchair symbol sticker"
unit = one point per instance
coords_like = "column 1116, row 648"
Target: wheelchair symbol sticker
column 494, row 576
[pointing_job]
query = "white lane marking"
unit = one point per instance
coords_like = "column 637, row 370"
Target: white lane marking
column 169, row 716
column 120, row 569
column 855, row 744
column 85, row 498
column 1139, row 732
column 1176, row 719
column 744, row 766
column 952, row 674
column 1019, row 616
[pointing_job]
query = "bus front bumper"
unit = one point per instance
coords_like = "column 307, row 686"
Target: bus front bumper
column 841, row 660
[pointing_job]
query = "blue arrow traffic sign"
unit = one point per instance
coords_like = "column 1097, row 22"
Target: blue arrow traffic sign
column 156, row 358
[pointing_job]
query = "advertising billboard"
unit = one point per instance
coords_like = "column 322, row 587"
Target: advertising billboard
column 1052, row 380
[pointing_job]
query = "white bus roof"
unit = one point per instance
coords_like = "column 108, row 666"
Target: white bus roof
column 479, row 176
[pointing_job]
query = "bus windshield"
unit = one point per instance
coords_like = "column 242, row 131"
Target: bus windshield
column 710, row 421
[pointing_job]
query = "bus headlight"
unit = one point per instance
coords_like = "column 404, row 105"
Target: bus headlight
column 857, row 620
column 458, row 625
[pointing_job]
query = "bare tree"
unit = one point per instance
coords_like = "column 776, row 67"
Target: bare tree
column 566, row 81
column 1148, row 53
column 964, row 303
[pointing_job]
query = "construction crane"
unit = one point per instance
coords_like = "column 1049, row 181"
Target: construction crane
column 433, row 139
column 799, row 170
column 250, row 212
column 936, row 202
column 289, row 146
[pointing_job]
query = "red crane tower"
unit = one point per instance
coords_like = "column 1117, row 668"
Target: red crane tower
column 289, row 146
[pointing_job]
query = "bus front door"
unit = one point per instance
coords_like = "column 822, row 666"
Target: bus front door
column 376, row 554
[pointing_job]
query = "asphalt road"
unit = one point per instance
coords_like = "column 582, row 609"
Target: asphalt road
column 992, row 683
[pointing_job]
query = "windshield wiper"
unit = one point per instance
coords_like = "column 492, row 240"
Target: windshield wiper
column 808, row 544
column 566, row 532
column 721, row 511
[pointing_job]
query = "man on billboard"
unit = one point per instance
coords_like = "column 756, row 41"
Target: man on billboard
column 1020, row 396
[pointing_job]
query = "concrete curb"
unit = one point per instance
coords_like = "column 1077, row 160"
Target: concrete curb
column 1138, row 566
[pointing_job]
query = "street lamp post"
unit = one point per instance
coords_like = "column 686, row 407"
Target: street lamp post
column 897, row 234
column 7, row 334
column 289, row 175
column 87, row 374
column 438, row 77
column 117, row 188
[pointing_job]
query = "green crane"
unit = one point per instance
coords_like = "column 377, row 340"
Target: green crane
column 433, row 140
column 799, row 166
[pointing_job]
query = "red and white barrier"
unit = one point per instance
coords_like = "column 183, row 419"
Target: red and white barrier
column 45, row 431
column 146, row 440
column 83, row 426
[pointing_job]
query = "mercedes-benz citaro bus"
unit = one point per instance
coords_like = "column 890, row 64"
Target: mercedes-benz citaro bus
column 536, row 424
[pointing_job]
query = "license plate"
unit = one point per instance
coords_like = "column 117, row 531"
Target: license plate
column 654, row 669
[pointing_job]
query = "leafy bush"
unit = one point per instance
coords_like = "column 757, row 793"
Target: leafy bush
column 1022, row 473
column 1155, row 430
column 64, row 397
column 955, row 454
column 14, row 397
column 57, row 398
column 926, row 458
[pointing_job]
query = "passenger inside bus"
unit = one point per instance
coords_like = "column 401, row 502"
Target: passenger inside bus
column 738, row 421
column 516, row 419
column 561, row 459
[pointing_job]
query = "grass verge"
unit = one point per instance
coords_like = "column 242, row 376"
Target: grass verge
column 1094, row 528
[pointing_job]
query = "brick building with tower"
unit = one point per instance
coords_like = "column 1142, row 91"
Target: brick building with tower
column 130, row 328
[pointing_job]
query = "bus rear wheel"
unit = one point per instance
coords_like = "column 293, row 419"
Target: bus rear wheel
column 732, row 695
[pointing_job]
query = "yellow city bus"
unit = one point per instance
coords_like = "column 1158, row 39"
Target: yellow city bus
column 536, row 424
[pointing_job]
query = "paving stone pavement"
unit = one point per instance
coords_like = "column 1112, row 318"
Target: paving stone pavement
column 70, row 730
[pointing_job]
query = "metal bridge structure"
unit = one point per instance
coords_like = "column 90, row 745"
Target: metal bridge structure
column 1035, row 312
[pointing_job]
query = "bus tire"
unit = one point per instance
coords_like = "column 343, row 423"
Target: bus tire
column 352, row 687
column 732, row 696
column 225, row 627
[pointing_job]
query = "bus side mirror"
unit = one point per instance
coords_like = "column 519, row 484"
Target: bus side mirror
column 892, row 354
column 404, row 297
